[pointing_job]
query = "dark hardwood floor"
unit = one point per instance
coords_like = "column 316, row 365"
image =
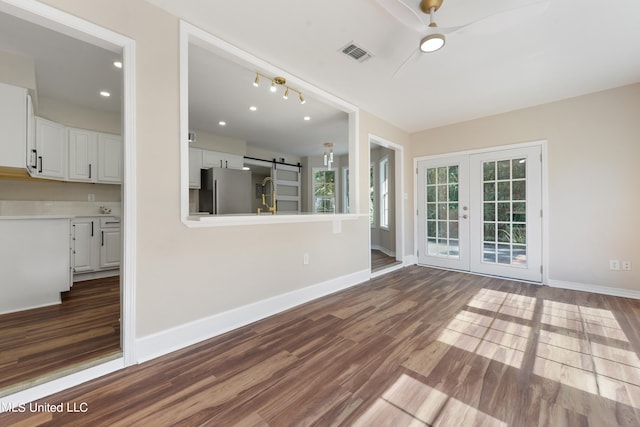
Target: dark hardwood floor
column 380, row 260
column 414, row 347
column 45, row 343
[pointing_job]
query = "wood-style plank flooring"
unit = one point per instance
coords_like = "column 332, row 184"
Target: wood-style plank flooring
column 380, row 260
column 414, row 347
column 48, row 342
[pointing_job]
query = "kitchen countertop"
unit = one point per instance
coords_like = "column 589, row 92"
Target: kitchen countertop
column 7, row 217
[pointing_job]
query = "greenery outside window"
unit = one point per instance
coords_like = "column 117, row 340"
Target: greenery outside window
column 384, row 193
column 372, row 203
column 324, row 191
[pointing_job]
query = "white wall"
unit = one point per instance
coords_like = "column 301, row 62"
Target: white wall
column 594, row 194
column 186, row 274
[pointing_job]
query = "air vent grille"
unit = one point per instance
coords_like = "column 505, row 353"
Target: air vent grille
column 356, row 52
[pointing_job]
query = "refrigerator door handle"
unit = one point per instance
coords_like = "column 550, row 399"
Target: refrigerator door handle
column 215, row 197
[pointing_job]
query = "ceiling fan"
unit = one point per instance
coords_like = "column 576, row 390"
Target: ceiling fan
column 433, row 37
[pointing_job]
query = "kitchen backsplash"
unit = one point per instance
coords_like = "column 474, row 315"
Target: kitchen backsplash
column 27, row 207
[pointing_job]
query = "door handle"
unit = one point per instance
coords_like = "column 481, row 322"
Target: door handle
column 465, row 216
column 40, row 169
column 89, row 170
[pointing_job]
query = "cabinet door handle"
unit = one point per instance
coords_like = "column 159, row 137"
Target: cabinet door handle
column 89, row 170
column 40, row 168
column 102, row 238
column 226, row 163
column 34, row 158
column 220, row 162
column 91, row 228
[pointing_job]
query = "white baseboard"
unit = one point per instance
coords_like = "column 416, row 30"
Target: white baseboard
column 410, row 260
column 386, row 251
column 596, row 289
column 79, row 277
column 161, row 343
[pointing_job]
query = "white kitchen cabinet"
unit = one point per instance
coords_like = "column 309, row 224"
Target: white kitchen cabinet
column 51, row 150
column 217, row 159
column 83, row 155
column 110, row 243
column 13, row 126
column 31, row 137
column 85, row 244
column 109, row 158
column 34, row 261
column 96, row 244
column 195, row 165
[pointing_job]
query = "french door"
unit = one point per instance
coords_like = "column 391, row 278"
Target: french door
column 482, row 213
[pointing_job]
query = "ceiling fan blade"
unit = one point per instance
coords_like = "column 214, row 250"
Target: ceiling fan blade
column 406, row 62
column 403, row 13
column 502, row 20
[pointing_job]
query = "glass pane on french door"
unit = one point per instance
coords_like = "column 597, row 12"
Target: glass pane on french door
column 444, row 223
column 507, row 194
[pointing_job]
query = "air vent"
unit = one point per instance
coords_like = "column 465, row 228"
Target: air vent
column 356, row 52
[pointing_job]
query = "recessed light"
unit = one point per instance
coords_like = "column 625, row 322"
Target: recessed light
column 253, row 108
column 105, row 93
column 222, row 123
column 246, row 168
column 307, row 118
column 117, row 64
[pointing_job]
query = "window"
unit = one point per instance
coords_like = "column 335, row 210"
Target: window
column 384, row 193
column 345, row 190
column 324, row 191
column 372, row 203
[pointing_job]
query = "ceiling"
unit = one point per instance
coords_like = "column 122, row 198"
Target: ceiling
column 223, row 90
column 574, row 47
column 66, row 68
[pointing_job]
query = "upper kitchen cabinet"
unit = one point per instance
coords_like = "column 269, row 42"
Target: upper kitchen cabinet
column 109, row 158
column 83, row 155
column 51, row 150
column 13, row 126
column 216, row 159
column 94, row 156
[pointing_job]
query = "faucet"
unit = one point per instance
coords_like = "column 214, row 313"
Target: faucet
column 272, row 208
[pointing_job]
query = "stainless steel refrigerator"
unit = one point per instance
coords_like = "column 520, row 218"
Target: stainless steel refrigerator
column 225, row 191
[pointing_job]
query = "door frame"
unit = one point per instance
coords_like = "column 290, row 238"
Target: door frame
column 61, row 21
column 543, row 144
column 399, row 199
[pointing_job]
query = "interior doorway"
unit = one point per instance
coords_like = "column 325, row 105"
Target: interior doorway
column 116, row 292
column 386, row 195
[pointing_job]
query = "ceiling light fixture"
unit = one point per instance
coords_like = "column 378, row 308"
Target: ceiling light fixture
column 105, row 93
column 117, row 64
column 253, row 108
column 435, row 41
column 307, row 118
column 328, row 156
column 222, row 123
column 279, row 81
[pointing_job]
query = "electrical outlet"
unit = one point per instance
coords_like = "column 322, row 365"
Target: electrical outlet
column 626, row 265
column 305, row 259
column 614, row 264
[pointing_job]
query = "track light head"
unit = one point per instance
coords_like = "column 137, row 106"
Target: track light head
column 256, row 82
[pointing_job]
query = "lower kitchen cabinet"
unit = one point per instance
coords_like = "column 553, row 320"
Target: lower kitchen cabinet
column 110, row 243
column 96, row 244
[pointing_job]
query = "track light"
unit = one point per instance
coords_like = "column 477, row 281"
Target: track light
column 278, row 81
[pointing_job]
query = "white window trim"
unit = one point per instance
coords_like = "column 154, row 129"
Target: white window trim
column 381, row 208
column 372, row 166
column 345, row 189
column 192, row 34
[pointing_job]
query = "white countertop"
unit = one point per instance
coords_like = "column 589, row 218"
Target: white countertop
column 7, row 217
